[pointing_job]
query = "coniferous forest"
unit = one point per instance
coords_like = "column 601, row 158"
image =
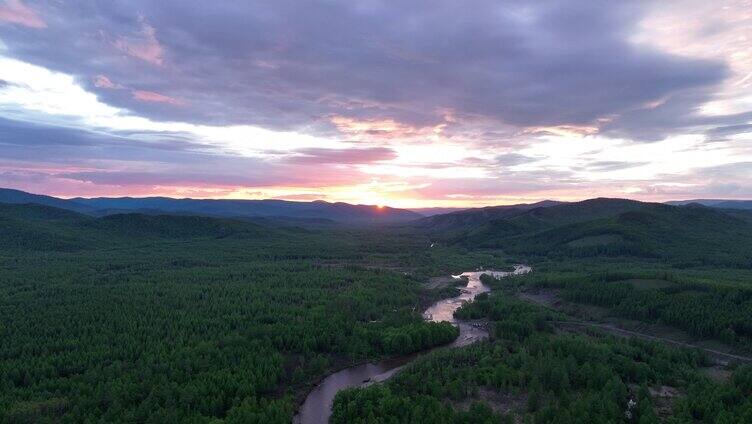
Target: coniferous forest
column 166, row 319
column 159, row 318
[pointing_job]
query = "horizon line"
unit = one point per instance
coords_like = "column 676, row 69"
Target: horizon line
column 384, row 205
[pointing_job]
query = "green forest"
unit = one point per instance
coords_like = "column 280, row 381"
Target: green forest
column 531, row 371
column 138, row 318
column 683, row 268
column 158, row 318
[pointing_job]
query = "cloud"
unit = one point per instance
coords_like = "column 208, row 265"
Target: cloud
column 143, row 45
column 15, row 12
column 215, row 171
column 566, row 130
column 382, row 128
column 152, row 97
column 101, row 81
column 383, row 69
column 723, row 132
column 512, row 159
column 26, row 135
column 612, row 165
column 342, row 156
column 303, row 197
column 56, row 157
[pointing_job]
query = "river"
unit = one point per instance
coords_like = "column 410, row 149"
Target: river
column 317, row 407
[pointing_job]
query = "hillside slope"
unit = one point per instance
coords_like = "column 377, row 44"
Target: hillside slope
column 456, row 222
column 39, row 227
column 45, row 228
column 688, row 235
column 8, row 195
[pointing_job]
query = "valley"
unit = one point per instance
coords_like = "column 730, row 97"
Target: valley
column 154, row 318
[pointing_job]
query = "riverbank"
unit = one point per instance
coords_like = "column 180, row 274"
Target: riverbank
column 316, row 408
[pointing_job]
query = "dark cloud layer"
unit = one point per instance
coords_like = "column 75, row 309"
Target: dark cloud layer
column 291, row 64
column 29, row 141
column 30, row 151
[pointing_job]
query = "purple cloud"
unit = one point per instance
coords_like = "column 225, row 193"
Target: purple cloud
column 16, row 12
column 291, row 65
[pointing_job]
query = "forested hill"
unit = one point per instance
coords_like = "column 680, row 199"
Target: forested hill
column 222, row 208
column 171, row 319
column 45, row 228
column 11, row 196
column 689, row 235
column 470, row 218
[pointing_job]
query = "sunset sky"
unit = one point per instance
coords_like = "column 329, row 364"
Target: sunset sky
column 408, row 103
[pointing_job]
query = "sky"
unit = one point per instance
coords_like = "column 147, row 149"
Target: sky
column 420, row 103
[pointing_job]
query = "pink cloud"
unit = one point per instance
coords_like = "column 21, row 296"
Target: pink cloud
column 153, row 97
column 265, row 175
column 101, row 81
column 15, row 12
column 382, row 128
column 144, row 45
column 305, row 197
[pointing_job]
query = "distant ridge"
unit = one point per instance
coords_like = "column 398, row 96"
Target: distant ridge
column 436, row 210
column 9, row 195
column 716, row 203
column 223, row 208
column 468, row 218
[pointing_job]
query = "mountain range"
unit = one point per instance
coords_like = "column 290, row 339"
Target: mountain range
column 689, row 235
column 281, row 210
column 548, row 227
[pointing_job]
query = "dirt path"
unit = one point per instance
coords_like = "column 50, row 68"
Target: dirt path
column 718, row 355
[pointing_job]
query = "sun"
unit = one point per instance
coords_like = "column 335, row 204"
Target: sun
column 374, row 200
